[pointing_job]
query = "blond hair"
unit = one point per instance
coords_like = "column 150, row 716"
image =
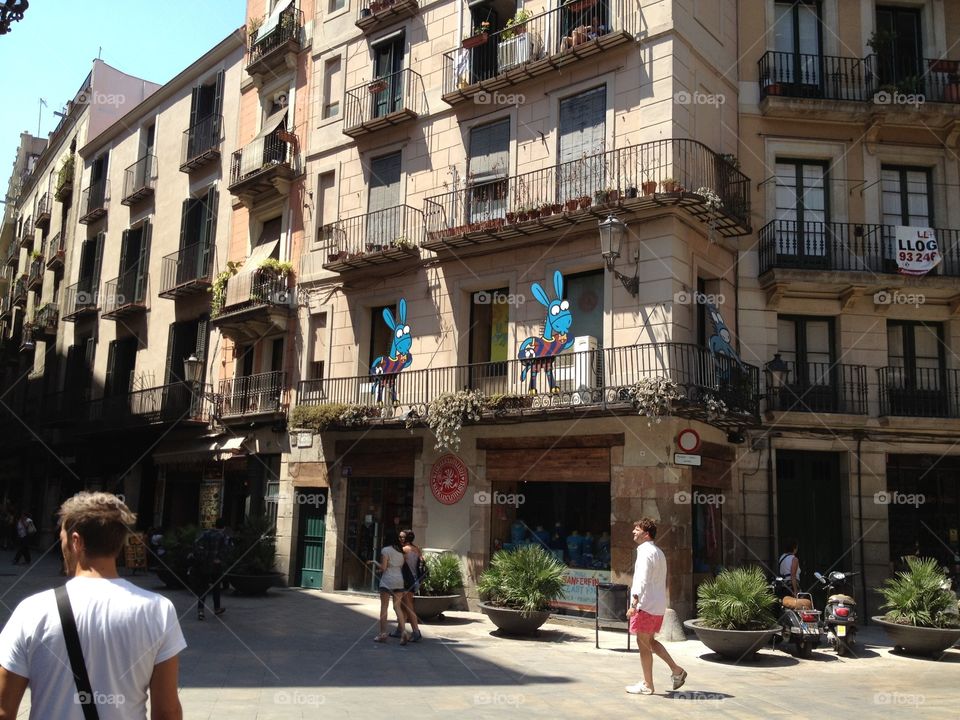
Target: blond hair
column 101, row 519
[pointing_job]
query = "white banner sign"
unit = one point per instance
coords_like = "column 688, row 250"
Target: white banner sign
column 917, row 250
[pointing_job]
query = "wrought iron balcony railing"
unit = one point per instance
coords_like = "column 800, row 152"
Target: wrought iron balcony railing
column 596, row 378
column 187, row 271
column 822, row 387
column 80, row 298
column 264, row 393
column 35, row 275
column 823, row 77
column 259, row 158
column 20, row 291
column 56, row 252
column 383, row 102
column 44, row 206
column 45, row 320
column 374, row 14
column 126, row 294
column 13, row 255
column 201, row 143
column 93, row 202
column 172, row 403
column 263, row 288
column 139, row 180
column 663, row 172
column 377, row 238
column 27, row 233
column 284, row 36
column 856, row 247
column 919, row 392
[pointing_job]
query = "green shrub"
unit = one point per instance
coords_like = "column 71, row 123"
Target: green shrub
column 737, row 599
column 919, row 596
column 254, row 549
column 443, row 575
column 178, row 544
column 528, row 578
column 316, row 417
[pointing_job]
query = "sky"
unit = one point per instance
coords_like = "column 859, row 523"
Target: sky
column 49, row 53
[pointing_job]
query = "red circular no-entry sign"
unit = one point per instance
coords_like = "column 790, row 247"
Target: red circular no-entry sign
column 688, row 440
column 448, row 479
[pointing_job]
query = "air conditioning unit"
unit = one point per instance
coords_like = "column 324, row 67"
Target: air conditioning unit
column 576, row 370
column 517, row 50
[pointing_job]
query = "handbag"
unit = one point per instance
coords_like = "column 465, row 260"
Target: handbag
column 408, row 579
column 422, row 569
column 84, row 691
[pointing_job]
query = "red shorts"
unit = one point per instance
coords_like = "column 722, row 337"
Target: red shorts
column 644, row 622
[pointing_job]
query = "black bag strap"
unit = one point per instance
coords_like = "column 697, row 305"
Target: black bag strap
column 75, row 652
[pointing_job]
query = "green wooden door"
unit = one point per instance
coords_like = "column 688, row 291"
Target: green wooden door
column 313, row 510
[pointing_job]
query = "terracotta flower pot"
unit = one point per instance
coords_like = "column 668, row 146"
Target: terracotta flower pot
column 475, row 41
column 572, row 205
column 649, row 187
column 511, row 218
column 557, row 208
column 585, row 202
column 523, row 216
column 669, row 186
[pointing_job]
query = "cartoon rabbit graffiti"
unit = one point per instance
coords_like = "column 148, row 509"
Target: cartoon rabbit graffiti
column 537, row 353
column 384, row 370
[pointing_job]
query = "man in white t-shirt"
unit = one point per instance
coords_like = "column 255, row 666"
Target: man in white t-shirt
column 130, row 637
column 647, row 605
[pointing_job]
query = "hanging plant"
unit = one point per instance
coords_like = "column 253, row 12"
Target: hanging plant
column 219, row 286
column 280, row 269
column 654, row 397
column 713, row 200
column 449, row 411
column 358, row 415
column 715, row 407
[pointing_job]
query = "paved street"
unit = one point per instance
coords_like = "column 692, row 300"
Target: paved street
column 303, row 654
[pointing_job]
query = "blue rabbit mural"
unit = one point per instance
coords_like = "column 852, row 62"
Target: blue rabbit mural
column 538, row 353
column 384, row 370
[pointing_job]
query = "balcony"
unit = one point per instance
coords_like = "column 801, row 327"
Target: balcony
column 256, row 303
column 262, row 171
column 261, row 397
column 274, row 52
column 19, row 297
column 26, row 234
column 93, row 203
column 126, row 295
column 36, row 271
column 596, row 382
column 919, row 392
column 377, row 14
column 375, row 240
column 383, row 102
column 80, row 300
column 187, row 272
column 634, row 181
column 822, row 388
column 201, row 143
column 544, row 44
column 56, row 252
column 44, row 206
column 139, row 180
column 166, row 404
column 45, row 322
column 12, row 258
column 27, row 342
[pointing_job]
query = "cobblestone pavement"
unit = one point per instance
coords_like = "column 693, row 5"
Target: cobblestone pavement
column 306, row 654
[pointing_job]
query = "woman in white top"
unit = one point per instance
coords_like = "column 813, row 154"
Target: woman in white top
column 391, row 585
column 790, row 565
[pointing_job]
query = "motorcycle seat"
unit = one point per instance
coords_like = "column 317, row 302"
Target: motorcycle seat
column 845, row 599
column 793, row 603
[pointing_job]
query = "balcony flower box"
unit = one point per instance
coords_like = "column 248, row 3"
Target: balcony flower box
column 377, row 86
column 580, row 5
column 944, row 66
column 475, row 41
column 584, row 202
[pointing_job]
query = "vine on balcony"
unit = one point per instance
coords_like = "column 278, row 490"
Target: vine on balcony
column 449, row 411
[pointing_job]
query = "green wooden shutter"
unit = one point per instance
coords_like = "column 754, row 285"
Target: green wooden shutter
column 140, row 293
column 184, row 212
column 194, row 106
column 218, row 94
column 97, row 261
column 170, row 374
column 202, row 339
column 208, row 234
column 108, row 383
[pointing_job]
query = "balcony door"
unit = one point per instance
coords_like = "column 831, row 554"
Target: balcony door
column 134, row 252
column 489, row 341
column 806, row 344
column 383, row 222
column 198, row 222
column 916, row 379
column 798, row 44
column 905, row 200
column 583, row 133
column 205, row 108
column 121, row 363
column 802, row 213
column 487, row 169
column 98, row 182
column 900, row 63
column 387, row 64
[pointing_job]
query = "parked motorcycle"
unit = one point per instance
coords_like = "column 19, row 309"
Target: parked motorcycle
column 799, row 622
column 840, row 613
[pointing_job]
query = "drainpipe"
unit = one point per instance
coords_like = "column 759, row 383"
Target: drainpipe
column 771, row 549
column 863, row 566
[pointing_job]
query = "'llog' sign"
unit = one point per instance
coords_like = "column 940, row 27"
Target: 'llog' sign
column 448, row 479
column 917, row 250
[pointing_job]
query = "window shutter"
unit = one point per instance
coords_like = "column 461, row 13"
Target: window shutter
column 97, row 261
column 320, row 337
column 124, row 244
column 143, row 262
column 489, row 151
column 171, row 374
column 384, row 183
column 89, row 353
column 109, row 380
column 194, row 105
column 184, row 213
column 218, row 94
column 208, row 235
column 582, row 126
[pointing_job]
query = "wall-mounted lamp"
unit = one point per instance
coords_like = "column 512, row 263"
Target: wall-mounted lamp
column 612, row 232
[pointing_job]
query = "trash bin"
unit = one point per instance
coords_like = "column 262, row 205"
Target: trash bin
column 612, row 603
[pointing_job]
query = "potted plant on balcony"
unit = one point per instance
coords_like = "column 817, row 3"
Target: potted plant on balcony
column 218, row 288
column 404, row 243
column 254, row 26
column 736, row 613
column 65, row 178
column 546, row 210
column 479, row 37
column 441, row 588
column 517, row 25
column 654, row 397
column 252, row 557
column 377, row 86
column 519, row 587
column 670, row 185
column 921, row 614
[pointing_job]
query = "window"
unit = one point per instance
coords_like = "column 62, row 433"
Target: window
column 915, row 379
column 270, row 233
column 900, row 61
column 806, row 345
column 798, row 42
column 906, row 196
column 121, row 364
column 331, row 88
column 185, row 338
column 134, row 260
column 335, row 5
column 489, row 334
column 582, row 141
column 802, row 211
column 318, row 324
column 387, row 64
column 384, row 223
column 585, row 293
column 327, row 207
column 198, row 227
column 487, row 171
column 381, row 335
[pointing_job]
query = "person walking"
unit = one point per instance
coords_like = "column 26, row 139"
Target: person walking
column 789, row 565
column 121, row 639
column 25, row 532
column 411, row 556
column 648, row 605
column 392, row 586
column 209, row 555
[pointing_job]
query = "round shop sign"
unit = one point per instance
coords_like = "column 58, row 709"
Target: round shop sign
column 688, row 440
column 448, row 479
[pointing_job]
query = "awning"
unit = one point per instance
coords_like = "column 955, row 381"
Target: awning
column 255, row 155
column 234, row 443
column 272, row 123
column 177, row 452
column 241, row 284
column 270, row 24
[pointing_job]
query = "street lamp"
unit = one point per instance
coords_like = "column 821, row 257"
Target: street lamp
column 192, row 369
column 778, row 371
column 11, row 10
column 612, row 232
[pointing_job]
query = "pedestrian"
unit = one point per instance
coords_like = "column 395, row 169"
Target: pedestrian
column 789, row 565
column 209, row 556
column 391, row 568
column 412, row 556
column 123, row 640
column 648, row 605
column 6, row 527
column 25, row 532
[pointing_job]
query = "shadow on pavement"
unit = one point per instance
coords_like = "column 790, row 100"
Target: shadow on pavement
column 761, row 660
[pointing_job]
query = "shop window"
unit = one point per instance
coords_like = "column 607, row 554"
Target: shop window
column 707, row 530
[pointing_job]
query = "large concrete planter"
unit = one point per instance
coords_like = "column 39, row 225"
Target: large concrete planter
column 732, row 644
column 253, row 584
column 428, row 607
column 515, row 622
column 915, row 640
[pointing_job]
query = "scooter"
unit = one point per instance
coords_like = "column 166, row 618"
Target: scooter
column 799, row 622
column 840, row 613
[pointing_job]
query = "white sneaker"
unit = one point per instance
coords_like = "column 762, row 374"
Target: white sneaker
column 639, row 689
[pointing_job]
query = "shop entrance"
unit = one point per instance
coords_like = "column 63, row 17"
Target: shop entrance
column 810, row 501
column 312, row 507
column 377, row 509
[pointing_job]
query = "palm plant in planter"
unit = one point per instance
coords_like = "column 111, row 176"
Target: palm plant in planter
column 921, row 610
column 252, row 557
column 441, row 587
column 519, row 587
column 736, row 613
column 173, row 565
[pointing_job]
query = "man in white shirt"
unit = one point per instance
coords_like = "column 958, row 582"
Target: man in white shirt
column 647, row 605
column 130, row 638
